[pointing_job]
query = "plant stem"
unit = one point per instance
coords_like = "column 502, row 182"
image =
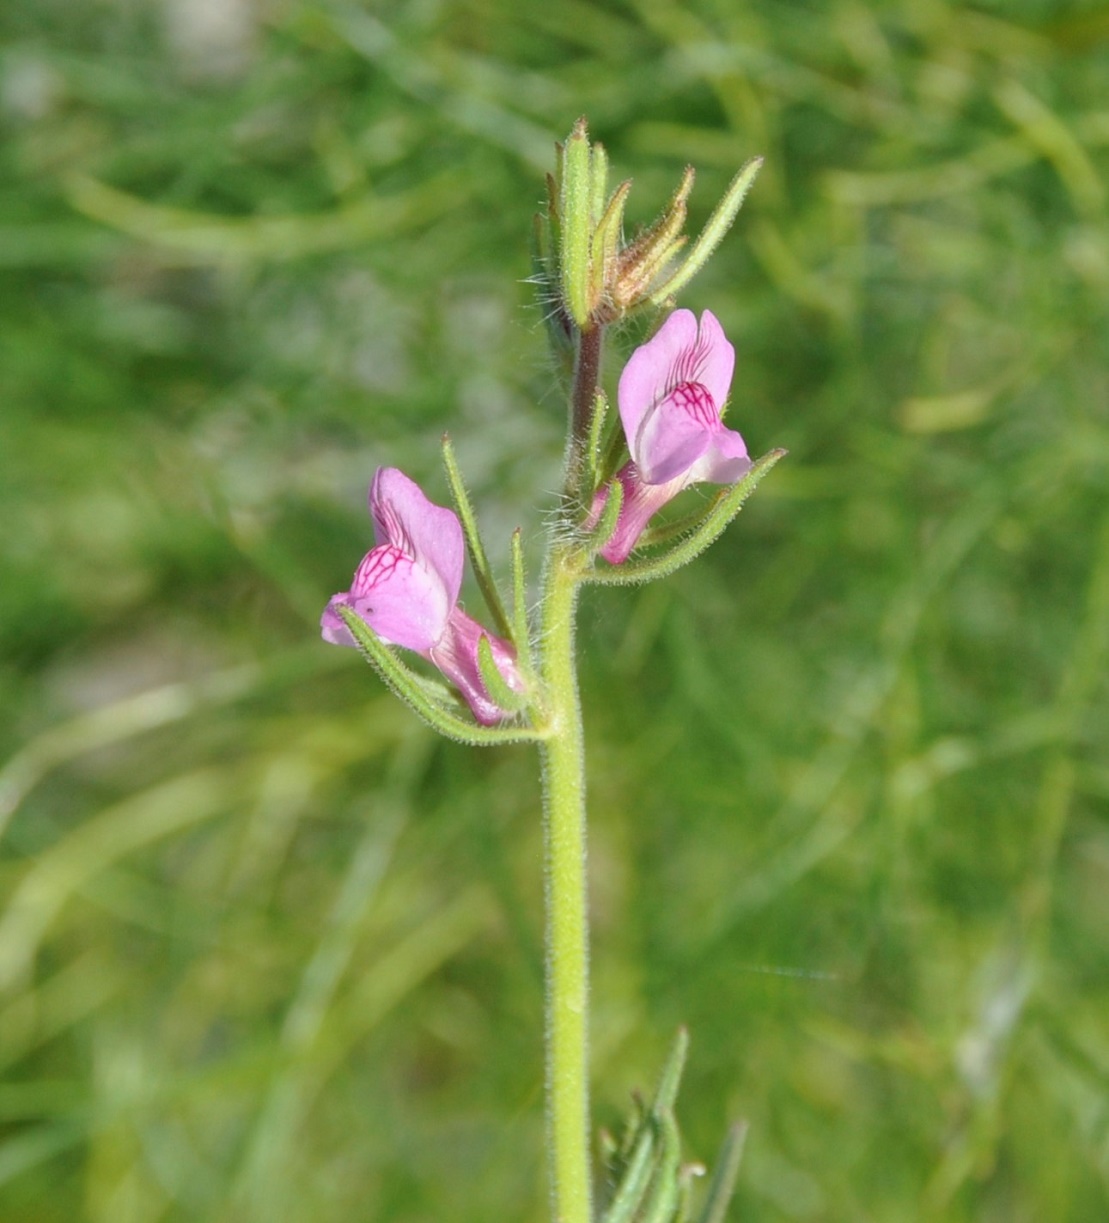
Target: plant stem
column 565, row 876
column 564, row 828
column 587, row 374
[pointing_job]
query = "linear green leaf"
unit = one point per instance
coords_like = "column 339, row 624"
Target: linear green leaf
column 666, row 1093
column 635, row 1182
column 665, row 1186
column 476, row 549
column 521, row 634
column 606, row 524
column 724, row 1175
column 713, row 233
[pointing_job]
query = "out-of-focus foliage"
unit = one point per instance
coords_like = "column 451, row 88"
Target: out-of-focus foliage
column 270, row 951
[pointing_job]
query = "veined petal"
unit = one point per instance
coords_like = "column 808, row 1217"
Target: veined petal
column 715, row 360
column 675, row 434
column 651, row 371
column 399, row 599
column 430, row 534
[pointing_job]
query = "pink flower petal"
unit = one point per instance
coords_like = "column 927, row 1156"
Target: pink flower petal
column 674, row 434
column 332, row 627
column 671, row 396
column 399, row 599
column 715, row 361
column 651, row 370
column 724, row 462
column 430, row 534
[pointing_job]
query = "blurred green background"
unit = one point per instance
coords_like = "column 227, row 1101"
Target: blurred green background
column 269, row 950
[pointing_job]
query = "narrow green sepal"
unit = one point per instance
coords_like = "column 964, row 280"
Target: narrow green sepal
column 574, row 206
column 666, row 1093
column 662, row 1204
column 478, row 558
column 615, row 452
column 521, row 636
column 634, row 1126
column 722, row 1185
column 648, row 1159
column 635, row 1182
column 715, row 229
column 606, row 524
column 598, row 182
column 499, row 691
column 421, row 697
column 606, row 245
column 711, row 525
column 596, row 431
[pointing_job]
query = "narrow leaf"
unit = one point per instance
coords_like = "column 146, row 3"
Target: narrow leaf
column 478, row 558
column 635, row 1181
column 596, row 431
column 520, row 634
column 606, row 239
column 615, row 452
column 711, row 236
column 665, row 1187
column 634, row 1126
column 724, row 1175
column 414, row 691
column 666, row 1093
column 606, row 524
column 721, row 511
column 598, row 182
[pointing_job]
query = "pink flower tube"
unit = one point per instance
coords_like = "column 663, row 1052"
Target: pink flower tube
column 406, row 589
column 671, row 397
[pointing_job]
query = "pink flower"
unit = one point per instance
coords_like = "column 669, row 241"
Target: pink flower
column 406, row 590
column 671, row 398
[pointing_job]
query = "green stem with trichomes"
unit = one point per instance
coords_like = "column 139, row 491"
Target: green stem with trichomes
column 564, row 827
column 563, row 755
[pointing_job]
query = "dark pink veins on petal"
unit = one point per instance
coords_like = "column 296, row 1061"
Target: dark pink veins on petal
column 378, row 567
column 688, row 366
column 695, row 401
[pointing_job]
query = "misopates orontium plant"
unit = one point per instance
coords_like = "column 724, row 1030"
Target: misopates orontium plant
column 517, row 680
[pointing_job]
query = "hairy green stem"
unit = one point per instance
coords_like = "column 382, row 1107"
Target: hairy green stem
column 563, row 756
column 587, row 376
